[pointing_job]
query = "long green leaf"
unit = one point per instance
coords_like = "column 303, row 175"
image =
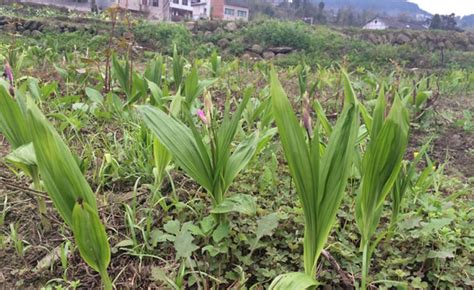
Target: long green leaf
column 12, row 121
column 179, row 140
column 62, row 177
column 293, row 281
column 319, row 186
column 381, row 163
column 90, row 236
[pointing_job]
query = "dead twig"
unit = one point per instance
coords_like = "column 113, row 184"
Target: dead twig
column 27, row 190
column 347, row 278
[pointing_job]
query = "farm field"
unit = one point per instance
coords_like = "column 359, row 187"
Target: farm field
column 140, row 155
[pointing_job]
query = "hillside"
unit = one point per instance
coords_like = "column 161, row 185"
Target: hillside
column 467, row 21
column 390, row 7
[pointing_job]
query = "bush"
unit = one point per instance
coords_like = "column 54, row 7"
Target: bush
column 164, row 36
column 280, row 33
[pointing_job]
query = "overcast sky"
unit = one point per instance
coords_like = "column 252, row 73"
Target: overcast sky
column 459, row 7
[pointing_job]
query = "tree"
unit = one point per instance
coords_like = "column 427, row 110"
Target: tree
column 321, row 6
column 320, row 17
column 94, row 6
column 436, row 22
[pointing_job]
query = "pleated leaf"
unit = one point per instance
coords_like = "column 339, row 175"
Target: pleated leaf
column 240, row 158
column 320, row 182
column 293, row 281
column 90, row 236
column 381, row 165
column 179, row 140
column 12, row 121
column 24, row 158
column 62, row 177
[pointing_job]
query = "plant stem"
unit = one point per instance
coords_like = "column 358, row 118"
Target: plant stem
column 106, row 280
column 41, row 202
column 365, row 266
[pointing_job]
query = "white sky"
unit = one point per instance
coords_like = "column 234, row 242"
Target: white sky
column 459, row 7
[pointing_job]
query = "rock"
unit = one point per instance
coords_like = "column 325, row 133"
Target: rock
column 28, row 24
column 402, row 39
column 207, row 33
column 208, row 25
column 268, row 54
column 246, row 56
column 219, row 30
column 390, row 37
column 10, row 27
column 281, row 49
column 471, row 38
column 257, row 49
column 231, row 27
column 223, row 43
column 373, row 38
column 190, row 25
column 251, row 55
column 26, row 33
column 280, row 55
column 36, row 33
column 36, row 25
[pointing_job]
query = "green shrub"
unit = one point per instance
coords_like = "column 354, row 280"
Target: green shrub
column 280, row 33
column 164, row 36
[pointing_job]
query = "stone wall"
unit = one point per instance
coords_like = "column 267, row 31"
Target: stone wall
column 428, row 39
column 36, row 27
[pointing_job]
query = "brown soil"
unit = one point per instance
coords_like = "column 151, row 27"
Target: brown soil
column 452, row 145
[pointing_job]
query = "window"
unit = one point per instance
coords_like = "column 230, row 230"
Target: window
column 155, row 3
column 241, row 13
column 144, row 2
column 185, row 2
column 176, row 1
column 229, row 11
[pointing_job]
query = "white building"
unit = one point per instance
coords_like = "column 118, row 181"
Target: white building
column 376, row 24
column 229, row 10
column 201, row 9
column 379, row 23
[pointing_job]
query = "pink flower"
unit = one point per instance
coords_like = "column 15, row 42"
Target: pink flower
column 202, row 116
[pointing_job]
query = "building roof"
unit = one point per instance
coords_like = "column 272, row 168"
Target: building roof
column 237, row 3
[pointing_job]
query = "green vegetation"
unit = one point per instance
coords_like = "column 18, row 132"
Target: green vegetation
column 169, row 166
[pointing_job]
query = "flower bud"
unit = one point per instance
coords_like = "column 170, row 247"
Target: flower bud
column 307, row 120
column 202, row 116
column 208, row 106
column 9, row 75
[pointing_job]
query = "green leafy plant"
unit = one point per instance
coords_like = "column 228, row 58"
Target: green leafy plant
column 13, row 125
column 320, row 179
column 380, row 168
column 213, row 165
column 18, row 242
column 70, row 192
